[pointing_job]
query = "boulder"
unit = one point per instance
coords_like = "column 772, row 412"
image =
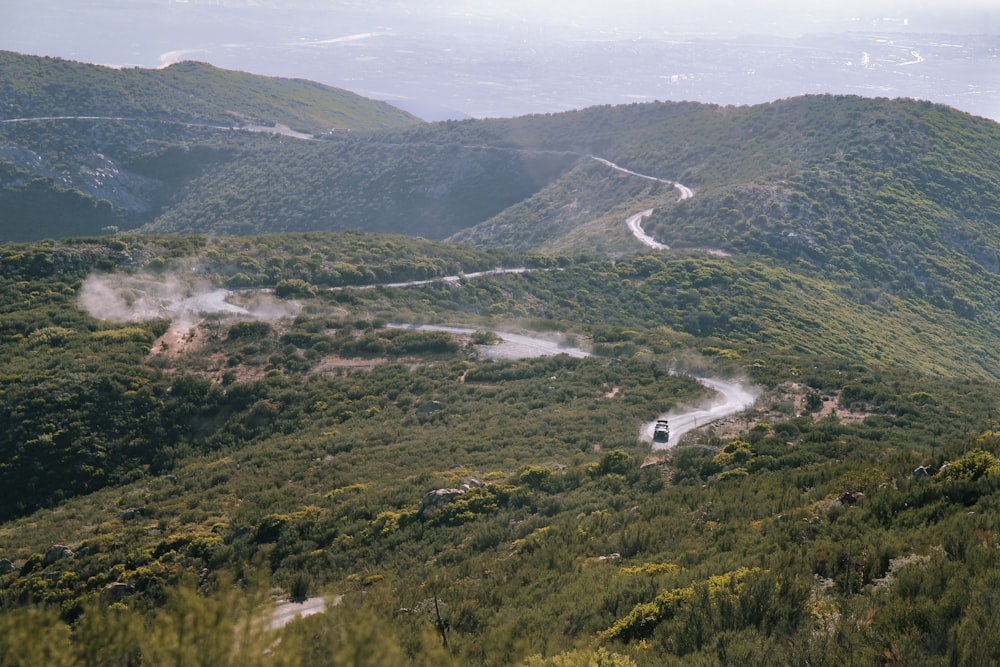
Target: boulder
column 56, row 553
column 436, row 498
column 6, row 567
column 847, row 499
column 132, row 513
column 116, row 592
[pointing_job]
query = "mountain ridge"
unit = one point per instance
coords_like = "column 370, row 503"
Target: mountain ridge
column 185, row 91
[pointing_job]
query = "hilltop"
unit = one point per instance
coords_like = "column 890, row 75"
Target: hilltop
column 185, row 92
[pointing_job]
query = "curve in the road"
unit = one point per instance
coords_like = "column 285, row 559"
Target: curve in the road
column 440, row 279
column 288, row 611
column 731, row 397
column 634, row 222
column 511, row 345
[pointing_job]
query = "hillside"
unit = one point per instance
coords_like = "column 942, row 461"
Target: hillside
column 185, row 92
column 888, row 205
column 845, row 162
column 85, row 148
column 173, row 453
column 431, row 189
column 818, row 179
column 795, row 179
column 232, row 403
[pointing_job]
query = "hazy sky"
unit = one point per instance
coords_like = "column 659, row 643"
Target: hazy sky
column 506, row 57
column 40, row 22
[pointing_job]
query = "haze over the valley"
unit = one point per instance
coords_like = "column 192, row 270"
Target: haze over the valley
column 456, row 58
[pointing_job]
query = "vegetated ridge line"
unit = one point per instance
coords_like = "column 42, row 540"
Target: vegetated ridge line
column 278, row 128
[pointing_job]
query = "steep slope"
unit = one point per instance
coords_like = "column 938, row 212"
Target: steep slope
column 581, row 212
column 798, row 163
column 84, row 147
column 830, row 158
column 430, row 189
column 895, row 202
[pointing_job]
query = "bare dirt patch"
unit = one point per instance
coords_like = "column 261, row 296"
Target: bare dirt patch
column 180, row 338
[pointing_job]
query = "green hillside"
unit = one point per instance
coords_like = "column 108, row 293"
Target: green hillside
column 165, row 473
column 229, row 410
column 85, row 148
column 431, row 189
column 808, row 178
column 186, row 92
column 797, row 178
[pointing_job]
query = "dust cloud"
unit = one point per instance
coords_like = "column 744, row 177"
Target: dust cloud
column 180, row 298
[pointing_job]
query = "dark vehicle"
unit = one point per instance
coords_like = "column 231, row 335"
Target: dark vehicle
column 661, row 432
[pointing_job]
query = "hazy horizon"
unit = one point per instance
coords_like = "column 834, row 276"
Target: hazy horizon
column 458, row 58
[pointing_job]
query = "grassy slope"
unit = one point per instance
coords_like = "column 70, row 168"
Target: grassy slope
column 428, row 189
column 765, row 171
column 320, row 477
column 798, row 178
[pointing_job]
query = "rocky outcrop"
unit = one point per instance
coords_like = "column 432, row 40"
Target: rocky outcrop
column 132, row 513
column 847, row 499
column 436, row 498
column 432, row 500
column 56, row 553
column 116, row 592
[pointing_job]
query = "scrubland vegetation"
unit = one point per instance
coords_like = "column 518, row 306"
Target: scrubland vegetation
column 157, row 501
column 171, row 468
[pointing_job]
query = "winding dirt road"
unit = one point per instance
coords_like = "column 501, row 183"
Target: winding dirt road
column 510, row 346
column 286, row 612
column 634, row 222
column 732, row 396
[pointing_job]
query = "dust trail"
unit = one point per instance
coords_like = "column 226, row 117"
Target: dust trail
column 183, row 299
column 731, row 398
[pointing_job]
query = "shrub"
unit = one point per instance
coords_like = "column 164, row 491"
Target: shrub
column 249, row 330
column 617, row 461
column 298, row 587
column 971, row 466
column 291, row 288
